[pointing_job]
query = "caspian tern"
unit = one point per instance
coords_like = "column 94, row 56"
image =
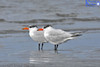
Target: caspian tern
column 57, row 36
column 36, row 35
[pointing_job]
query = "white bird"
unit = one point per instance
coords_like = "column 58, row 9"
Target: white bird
column 36, row 35
column 57, row 36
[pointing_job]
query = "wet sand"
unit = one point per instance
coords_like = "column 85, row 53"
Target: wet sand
column 19, row 50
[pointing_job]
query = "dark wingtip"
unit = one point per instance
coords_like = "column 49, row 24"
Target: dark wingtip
column 76, row 34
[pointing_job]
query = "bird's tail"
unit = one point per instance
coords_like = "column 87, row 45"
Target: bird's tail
column 76, row 34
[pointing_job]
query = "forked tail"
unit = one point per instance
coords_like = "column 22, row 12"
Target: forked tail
column 76, row 34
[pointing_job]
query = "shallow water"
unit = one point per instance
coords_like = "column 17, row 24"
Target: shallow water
column 17, row 49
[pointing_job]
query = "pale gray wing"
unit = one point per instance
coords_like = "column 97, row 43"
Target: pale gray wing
column 58, row 35
column 59, row 32
column 40, row 36
column 39, row 33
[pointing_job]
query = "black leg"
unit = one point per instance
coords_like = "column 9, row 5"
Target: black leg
column 39, row 46
column 55, row 48
column 42, row 46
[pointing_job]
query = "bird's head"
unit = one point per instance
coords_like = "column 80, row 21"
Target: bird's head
column 47, row 26
column 30, row 27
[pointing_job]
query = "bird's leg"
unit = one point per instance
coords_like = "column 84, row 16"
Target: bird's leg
column 39, row 46
column 42, row 46
column 55, row 47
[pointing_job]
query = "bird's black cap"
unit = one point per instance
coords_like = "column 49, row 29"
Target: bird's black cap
column 32, row 26
column 47, row 26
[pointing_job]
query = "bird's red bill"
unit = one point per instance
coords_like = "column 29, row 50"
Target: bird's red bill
column 25, row 28
column 40, row 29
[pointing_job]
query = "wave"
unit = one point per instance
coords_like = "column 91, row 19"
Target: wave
column 12, row 31
column 86, row 19
column 6, row 6
column 82, row 29
column 2, row 20
column 39, row 20
column 66, row 15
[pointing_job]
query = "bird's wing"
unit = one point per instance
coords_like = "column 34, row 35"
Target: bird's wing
column 59, row 32
column 39, row 33
column 58, row 36
column 39, row 36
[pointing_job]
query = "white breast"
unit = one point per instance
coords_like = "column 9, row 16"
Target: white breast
column 37, row 36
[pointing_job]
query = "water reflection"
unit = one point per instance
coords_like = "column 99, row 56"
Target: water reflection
column 38, row 57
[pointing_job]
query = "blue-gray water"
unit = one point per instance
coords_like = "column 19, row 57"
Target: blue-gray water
column 17, row 49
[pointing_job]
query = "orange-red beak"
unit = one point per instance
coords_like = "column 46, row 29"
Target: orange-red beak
column 40, row 29
column 25, row 28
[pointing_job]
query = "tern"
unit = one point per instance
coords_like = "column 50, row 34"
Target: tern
column 57, row 36
column 36, row 35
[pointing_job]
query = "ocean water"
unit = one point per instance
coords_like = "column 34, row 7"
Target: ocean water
column 17, row 49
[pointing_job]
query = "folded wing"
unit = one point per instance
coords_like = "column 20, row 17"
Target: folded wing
column 59, row 36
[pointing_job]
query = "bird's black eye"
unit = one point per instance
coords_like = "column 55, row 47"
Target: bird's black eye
column 32, row 26
column 47, row 26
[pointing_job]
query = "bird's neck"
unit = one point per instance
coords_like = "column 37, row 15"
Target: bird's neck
column 49, row 28
column 31, row 31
